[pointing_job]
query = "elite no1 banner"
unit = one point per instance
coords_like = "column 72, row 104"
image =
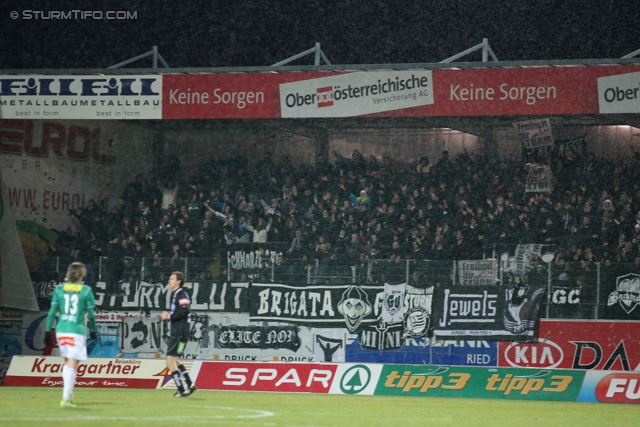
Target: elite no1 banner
column 356, row 94
column 122, row 97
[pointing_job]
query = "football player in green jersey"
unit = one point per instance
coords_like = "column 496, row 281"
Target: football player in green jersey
column 74, row 301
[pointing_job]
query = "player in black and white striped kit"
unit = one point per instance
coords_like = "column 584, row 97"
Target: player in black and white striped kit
column 179, row 334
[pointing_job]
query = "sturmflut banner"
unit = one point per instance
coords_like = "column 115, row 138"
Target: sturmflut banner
column 206, row 296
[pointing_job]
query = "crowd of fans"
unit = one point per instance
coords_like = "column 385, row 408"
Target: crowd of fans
column 352, row 209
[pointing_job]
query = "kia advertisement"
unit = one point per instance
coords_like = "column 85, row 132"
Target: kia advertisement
column 599, row 345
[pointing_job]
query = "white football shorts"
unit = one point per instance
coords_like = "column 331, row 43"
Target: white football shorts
column 72, row 346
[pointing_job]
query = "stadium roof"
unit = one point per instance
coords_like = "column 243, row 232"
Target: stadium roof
column 329, row 68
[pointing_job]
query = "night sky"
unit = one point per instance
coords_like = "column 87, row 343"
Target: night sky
column 244, row 33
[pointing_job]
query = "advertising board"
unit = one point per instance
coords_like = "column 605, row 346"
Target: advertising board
column 600, row 345
column 42, row 371
column 488, row 383
column 610, row 387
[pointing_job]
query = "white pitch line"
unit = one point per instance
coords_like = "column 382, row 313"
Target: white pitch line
column 68, row 415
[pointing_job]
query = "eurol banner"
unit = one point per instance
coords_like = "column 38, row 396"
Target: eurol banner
column 81, row 97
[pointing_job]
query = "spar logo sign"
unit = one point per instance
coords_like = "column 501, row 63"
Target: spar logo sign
column 356, row 94
column 355, row 380
column 619, row 94
column 542, row 354
column 358, row 378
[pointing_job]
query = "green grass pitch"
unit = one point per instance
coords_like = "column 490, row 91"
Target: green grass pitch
column 34, row 407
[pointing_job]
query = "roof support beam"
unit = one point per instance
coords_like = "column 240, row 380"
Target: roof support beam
column 153, row 52
column 319, row 54
column 486, row 52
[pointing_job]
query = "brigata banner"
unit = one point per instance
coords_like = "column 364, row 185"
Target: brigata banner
column 491, row 383
column 321, row 306
column 44, row 371
column 610, row 387
column 597, row 345
column 123, row 97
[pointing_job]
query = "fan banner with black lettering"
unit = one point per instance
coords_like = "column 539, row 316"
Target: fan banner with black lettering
column 478, row 272
column 205, row 296
column 258, row 337
column 489, row 312
column 345, row 306
column 254, row 260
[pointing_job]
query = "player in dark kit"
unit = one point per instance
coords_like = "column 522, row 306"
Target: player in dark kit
column 179, row 334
